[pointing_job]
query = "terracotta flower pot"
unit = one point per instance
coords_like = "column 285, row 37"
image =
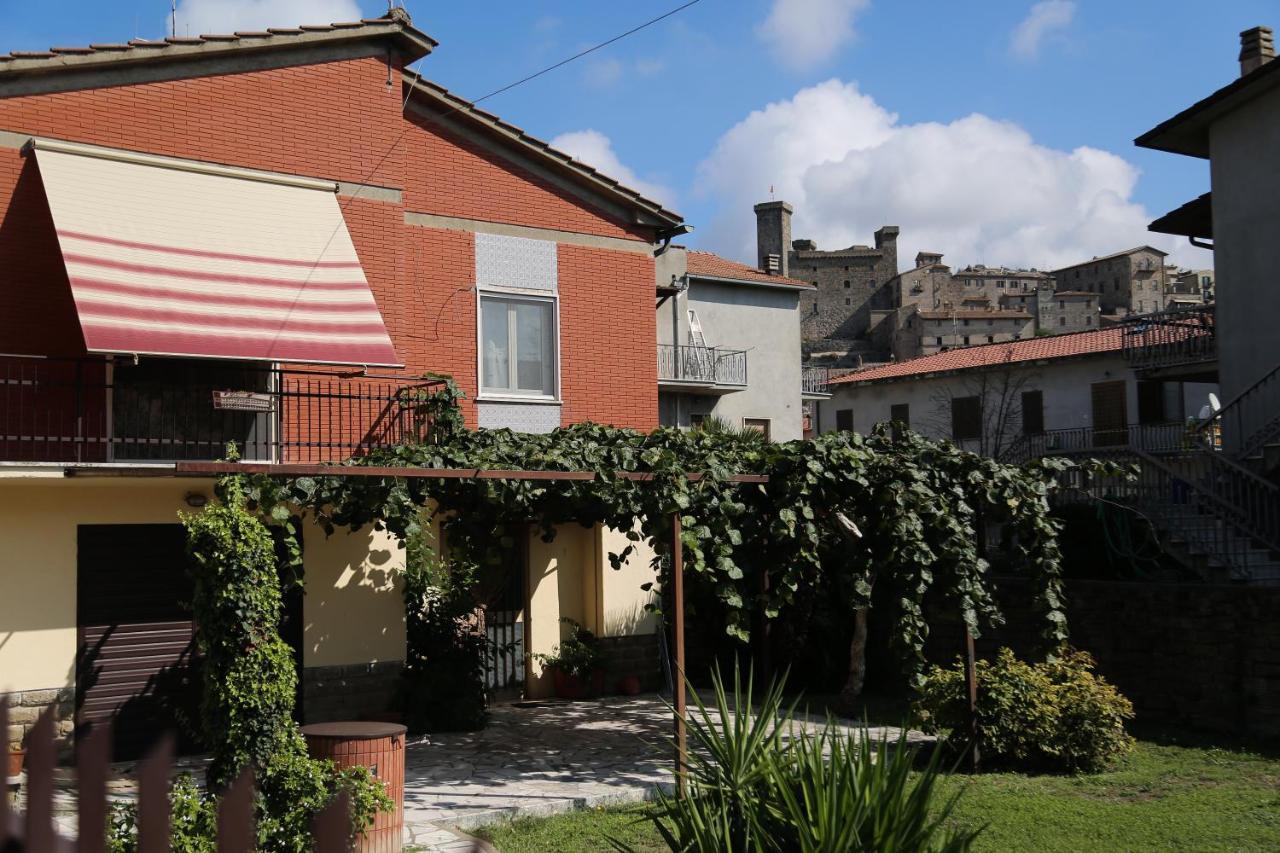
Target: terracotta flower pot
column 568, row 686
column 576, row 687
column 629, row 685
column 16, row 757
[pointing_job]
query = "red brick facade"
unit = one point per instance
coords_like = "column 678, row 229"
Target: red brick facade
column 340, row 120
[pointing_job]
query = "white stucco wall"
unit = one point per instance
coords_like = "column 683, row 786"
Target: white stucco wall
column 1245, row 173
column 1065, row 386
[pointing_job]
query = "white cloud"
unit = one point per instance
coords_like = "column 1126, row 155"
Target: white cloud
column 603, row 73
column 596, row 150
column 804, row 33
column 1044, row 18
column 977, row 189
column 223, row 16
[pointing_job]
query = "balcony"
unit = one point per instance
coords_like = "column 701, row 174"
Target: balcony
column 815, row 383
column 1181, row 341
column 1151, row 438
column 701, row 370
column 97, row 410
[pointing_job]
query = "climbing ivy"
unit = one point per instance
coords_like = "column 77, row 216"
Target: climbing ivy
column 910, row 508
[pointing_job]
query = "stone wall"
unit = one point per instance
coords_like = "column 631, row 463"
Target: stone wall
column 348, row 692
column 26, row 706
column 850, row 284
column 1199, row 656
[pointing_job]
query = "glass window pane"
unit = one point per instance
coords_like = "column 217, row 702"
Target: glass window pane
column 534, row 347
column 495, row 344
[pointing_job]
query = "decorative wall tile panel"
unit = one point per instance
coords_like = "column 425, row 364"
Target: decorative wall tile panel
column 503, row 261
column 521, row 417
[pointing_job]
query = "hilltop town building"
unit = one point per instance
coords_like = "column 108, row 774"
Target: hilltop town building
column 848, row 284
column 1128, row 282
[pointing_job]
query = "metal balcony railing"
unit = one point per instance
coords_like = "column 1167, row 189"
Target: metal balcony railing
column 163, row 410
column 707, row 365
column 1171, row 338
column 815, row 380
column 1152, row 438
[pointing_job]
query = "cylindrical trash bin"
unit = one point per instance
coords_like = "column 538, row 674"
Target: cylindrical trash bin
column 379, row 747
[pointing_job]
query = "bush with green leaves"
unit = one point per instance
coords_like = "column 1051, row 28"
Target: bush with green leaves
column 765, row 781
column 578, row 655
column 442, row 685
column 249, row 694
column 1052, row 716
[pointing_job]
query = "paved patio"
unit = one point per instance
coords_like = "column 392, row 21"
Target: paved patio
column 532, row 760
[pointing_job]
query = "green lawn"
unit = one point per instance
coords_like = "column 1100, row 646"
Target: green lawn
column 1162, row 797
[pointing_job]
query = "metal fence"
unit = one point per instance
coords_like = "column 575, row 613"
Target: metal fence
column 702, row 364
column 1179, row 336
column 33, row 830
column 114, row 410
column 815, row 380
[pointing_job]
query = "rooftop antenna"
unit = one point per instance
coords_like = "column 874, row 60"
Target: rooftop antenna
column 173, row 19
column 771, row 198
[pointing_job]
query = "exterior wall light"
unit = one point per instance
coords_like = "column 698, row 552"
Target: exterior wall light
column 195, row 500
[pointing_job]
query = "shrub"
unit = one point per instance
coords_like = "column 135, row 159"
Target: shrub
column 1057, row 715
column 442, row 685
column 759, row 782
column 578, row 655
column 248, row 699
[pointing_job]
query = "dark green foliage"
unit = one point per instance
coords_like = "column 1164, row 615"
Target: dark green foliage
column 249, row 694
column 249, row 675
column 763, row 782
column 916, row 503
column 579, row 654
column 1056, row 715
column 442, row 686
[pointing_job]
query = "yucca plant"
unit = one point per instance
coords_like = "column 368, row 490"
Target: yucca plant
column 759, row 782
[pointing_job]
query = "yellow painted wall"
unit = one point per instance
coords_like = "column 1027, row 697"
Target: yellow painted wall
column 38, row 518
column 622, row 600
column 562, row 584
column 353, row 610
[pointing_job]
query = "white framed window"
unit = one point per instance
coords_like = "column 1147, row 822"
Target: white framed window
column 518, row 346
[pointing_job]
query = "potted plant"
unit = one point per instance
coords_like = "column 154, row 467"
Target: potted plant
column 576, row 665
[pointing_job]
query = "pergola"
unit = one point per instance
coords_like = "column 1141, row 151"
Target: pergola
column 384, row 471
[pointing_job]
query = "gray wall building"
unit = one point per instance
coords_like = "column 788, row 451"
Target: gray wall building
column 1128, row 282
column 728, row 345
column 1237, row 129
column 847, row 284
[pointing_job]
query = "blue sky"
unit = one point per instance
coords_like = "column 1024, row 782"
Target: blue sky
column 997, row 131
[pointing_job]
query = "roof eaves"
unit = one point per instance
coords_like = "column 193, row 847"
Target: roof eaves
column 558, row 159
column 1188, row 131
column 413, row 43
column 777, row 282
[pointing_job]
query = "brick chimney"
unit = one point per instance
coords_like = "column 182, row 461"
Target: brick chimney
column 1257, row 48
column 773, row 236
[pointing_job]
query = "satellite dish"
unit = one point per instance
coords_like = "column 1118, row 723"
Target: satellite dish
column 1213, row 401
column 1205, row 413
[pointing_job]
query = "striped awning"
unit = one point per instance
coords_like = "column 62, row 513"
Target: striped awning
column 177, row 257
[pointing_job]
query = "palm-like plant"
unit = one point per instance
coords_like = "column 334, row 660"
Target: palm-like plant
column 759, row 782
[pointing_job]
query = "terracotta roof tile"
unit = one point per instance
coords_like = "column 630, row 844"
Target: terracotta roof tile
column 986, row 355
column 395, row 21
column 714, row 266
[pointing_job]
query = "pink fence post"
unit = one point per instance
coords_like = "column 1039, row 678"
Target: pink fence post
column 92, row 759
column 153, row 798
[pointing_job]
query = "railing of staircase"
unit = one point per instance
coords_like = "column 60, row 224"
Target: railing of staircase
column 1248, row 421
column 1156, row 438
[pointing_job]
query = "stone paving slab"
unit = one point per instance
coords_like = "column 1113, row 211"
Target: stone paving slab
column 536, row 760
